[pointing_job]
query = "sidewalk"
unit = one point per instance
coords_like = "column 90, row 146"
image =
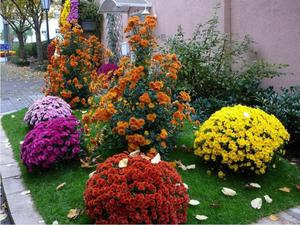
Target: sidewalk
column 20, row 86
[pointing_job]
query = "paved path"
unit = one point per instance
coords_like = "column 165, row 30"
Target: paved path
column 20, row 86
column 290, row 216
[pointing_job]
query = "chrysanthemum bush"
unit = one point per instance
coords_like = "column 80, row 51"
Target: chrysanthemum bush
column 140, row 106
column 139, row 193
column 240, row 138
column 74, row 66
column 51, row 142
column 46, row 108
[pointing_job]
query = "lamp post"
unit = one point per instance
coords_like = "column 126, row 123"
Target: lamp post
column 45, row 7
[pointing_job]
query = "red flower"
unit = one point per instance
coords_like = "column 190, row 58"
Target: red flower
column 142, row 192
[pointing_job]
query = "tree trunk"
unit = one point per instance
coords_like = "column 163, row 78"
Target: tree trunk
column 39, row 47
column 22, row 54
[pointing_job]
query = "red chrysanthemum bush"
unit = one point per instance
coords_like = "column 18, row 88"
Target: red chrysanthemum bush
column 141, row 192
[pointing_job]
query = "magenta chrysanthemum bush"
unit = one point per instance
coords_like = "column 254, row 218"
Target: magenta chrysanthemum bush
column 51, row 142
column 47, row 108
column 74, row 13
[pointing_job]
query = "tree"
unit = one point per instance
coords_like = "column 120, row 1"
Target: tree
column 16, row 20
column 34, row 15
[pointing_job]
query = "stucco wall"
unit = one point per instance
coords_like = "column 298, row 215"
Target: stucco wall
column 275, row 27
column 188, row 13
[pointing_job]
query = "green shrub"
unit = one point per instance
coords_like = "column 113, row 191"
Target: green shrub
column 285, row 106
column 215, row 66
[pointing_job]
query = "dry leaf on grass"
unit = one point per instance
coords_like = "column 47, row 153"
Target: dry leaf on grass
column 273, row 217
column 3, row 216
column 228, row 191
column 73, row 213
column 25, row 192
column 60, row 186
column 256, row 203
column 298, row 187
column 180, row 165
column 190, row 167
column 285, row 189
column 185, row 185
column 85, row 164
column 55, row 222
column 123, row 163
column 194, row 202
column 268, row 199
column 13, row 116
column 253, row 185
column 156, row 159
column 201, row 217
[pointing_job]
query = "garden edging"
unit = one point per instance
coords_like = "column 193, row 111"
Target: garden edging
column 19, row 201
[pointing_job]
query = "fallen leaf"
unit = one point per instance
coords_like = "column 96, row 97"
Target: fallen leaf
column 285, row 189
column 268, row 199
column 60, row 186
column 254, row 185
column 21, row 142
column 55, row 222
column 256, row 203
column 194, row 202
column 298, row 187
column 185, row 185
column 228, row 191
column 13, row 116
column 3, row 216
column 273, row 217
column 190, row 167
column 123, row 163
column 83, row 112
column 180, row 165
column 135, row 153
column 92, row 173
column 145, row 157
column 85, row 164
column 201, row 217
column 27, row 192
column 156, row 159
column 73, row 213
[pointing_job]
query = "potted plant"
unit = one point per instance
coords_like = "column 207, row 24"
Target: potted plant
column 88, row 15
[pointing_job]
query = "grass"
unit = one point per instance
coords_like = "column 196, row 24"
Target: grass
column 54, row 205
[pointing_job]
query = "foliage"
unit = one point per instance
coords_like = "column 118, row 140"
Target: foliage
column 285, row 106
column 139, row 106
column 70, row 72
column 46, row 108
column 126, row 195
column 240, row 138
column 51, row 142
column 216, row 66
column 88, row 10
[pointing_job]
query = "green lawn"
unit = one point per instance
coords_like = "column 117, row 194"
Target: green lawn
column 54, row 205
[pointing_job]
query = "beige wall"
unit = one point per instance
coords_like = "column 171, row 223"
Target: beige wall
column 275, row 27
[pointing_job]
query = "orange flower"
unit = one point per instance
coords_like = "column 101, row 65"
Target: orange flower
column 163, row 144
column 178, row 115
column 185, row 96
column 136, row 124
column 173, row 76
column 145, row 98
column 151, row 117
column 156, row 86
column 135, row 141
column 163, row 98
column 152, row 152
column 163, row 134
column 151, row 105
column 144, row 43
column 158, row 58
column 66, row 94
column 121, row 127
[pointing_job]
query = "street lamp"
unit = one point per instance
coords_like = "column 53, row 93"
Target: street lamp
column 45, row 7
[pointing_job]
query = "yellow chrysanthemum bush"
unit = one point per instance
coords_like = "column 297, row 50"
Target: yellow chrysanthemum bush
column 140, row 107
column 241, row 139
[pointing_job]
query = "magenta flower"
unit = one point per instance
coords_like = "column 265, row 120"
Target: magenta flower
column 51, row 142
column 74, row 12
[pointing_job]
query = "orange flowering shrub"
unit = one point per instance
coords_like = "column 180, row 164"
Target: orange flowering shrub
column 74, row 66
column 140, row 106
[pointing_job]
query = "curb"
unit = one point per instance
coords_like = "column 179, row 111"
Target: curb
column 19, row 200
